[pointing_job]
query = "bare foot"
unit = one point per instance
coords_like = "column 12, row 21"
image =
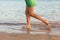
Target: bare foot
column 49, row 27
column 46, row 22
column 28, row 30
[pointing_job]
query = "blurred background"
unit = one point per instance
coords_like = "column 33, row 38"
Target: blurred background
column 13, row 11
column 12, row 15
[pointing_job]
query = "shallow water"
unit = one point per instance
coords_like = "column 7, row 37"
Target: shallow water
column 22, row 28
column 19, row 29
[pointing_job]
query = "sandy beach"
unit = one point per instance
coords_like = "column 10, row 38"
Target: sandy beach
column 14, row 36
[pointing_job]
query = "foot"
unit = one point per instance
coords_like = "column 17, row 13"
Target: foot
column 46, row 22
column 48, row 27
column 28, row 30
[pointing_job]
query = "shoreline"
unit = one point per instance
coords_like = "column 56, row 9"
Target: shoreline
column 53, row 35
column 35, row 26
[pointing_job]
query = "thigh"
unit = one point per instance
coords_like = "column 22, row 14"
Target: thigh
column 27, row 12
column 31, row 10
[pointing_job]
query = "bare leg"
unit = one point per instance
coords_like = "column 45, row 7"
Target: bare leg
column 28, row 21
column 31, row 12
column 39, row 18
column 44, row 21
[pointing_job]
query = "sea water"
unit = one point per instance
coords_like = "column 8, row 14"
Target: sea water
column 14, row 12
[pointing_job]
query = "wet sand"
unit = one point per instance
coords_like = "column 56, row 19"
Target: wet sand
column 17, row 36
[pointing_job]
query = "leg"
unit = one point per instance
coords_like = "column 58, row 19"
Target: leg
column 28, row 21
column 31, row 12
column 39, row 18
column 44, row 21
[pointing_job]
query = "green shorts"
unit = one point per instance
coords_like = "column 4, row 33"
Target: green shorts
column 30, row 3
